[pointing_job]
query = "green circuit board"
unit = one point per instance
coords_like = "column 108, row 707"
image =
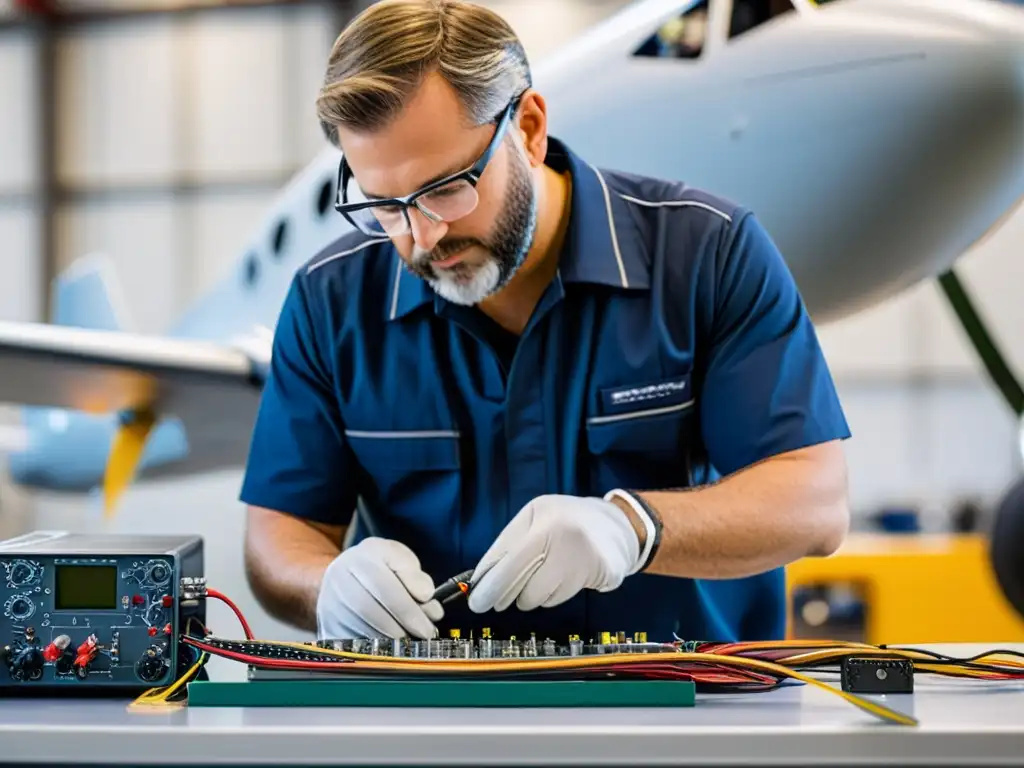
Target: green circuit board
column 291, row 692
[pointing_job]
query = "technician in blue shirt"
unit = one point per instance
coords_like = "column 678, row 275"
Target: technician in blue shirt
column 600, row 391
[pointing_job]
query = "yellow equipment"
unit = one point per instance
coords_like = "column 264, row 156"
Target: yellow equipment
column 916, row 588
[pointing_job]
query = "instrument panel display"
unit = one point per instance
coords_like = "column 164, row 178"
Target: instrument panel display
column 86, row 588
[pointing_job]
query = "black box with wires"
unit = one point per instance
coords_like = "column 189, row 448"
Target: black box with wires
column 873, row 675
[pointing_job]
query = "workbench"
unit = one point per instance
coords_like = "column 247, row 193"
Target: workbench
column 962, row 722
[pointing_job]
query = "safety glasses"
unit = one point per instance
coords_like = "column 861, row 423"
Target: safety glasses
column 447, row 199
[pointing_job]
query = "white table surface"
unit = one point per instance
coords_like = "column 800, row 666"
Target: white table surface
column 961, row 722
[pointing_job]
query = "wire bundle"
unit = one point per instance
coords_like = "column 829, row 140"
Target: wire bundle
column 828, row 655
column 711, row 672
column 713, row 666
column 175, row 694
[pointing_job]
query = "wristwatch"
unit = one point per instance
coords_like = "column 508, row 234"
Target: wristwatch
column 651, row 520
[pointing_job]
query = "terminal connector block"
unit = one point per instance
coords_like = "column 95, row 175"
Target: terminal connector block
column 193, row 589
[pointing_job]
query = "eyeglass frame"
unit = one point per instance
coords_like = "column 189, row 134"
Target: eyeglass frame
column 471, row 174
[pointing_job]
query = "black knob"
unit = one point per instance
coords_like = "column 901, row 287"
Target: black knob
column 158, row 573
column 66, row 663
column 153, row 665
column 21, row 608
column 27, row 663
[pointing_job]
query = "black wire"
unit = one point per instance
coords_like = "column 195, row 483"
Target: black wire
column 936, row 659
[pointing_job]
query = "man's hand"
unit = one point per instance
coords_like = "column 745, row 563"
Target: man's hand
column 553, row 548
column 377, row 589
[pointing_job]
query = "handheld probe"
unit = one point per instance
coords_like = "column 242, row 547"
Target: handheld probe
column 457, row 586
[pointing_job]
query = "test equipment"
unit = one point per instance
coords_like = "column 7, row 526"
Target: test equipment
column 94, row 610
column 95, row 613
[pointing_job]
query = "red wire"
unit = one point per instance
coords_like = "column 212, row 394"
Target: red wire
column 713, row 674
column 230, row 603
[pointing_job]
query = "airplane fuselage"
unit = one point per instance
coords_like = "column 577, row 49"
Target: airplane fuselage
column 876, row 140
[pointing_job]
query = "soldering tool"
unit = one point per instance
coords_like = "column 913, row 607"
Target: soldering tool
column 457, row 586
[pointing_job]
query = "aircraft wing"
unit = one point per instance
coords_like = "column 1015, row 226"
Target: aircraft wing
column 212, row 389
column 104, row 371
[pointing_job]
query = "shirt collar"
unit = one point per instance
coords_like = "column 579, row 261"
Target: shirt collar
column 603, row 245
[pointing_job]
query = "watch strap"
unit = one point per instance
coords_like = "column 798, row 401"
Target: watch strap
column 652, row 523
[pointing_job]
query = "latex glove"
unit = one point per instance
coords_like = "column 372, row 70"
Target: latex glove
column 554, row 547
column 377, row 589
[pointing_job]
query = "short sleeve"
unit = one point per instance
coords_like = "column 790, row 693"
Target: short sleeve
column 299, row 461
column 767, row 387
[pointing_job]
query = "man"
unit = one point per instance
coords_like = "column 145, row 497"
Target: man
column 601, row 393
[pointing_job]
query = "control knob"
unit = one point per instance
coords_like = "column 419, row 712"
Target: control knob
column 157, row 573
column 153, row 665
column 21, row 573
column 19, row 607
column 24, row 663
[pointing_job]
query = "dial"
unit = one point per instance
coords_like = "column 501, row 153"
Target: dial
column 152, row 574
column 21, row 573
column 19, row 607
column 157, row 573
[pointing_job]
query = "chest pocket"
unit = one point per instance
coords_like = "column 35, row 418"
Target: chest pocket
column 644, row 447
column 415, row 473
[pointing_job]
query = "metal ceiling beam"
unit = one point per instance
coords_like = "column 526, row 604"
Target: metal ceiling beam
column 62, row 19
column 46, row 124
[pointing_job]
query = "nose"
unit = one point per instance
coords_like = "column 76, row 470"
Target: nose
column 426, row 233
column 976, row 85
column 957, row 134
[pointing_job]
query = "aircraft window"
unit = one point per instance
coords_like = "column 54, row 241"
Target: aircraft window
column 251, row 270
column 325, row 198
column 280, row 235
column 747, row 14
column 679, row 38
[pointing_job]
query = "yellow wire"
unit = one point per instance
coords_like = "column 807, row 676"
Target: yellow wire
column 922, row 661
column 825, row 650
column 367, row 661
column 158, row 697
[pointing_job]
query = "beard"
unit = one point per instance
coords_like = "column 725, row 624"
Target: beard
column 468, row 283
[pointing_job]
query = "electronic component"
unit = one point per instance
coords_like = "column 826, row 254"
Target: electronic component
column 486, row 647
column 722, row 667
column 95, row 610
column 409, row 667
column 454, row 647
column 873, row 675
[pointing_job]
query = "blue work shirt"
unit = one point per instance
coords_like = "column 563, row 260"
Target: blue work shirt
column 672, row 348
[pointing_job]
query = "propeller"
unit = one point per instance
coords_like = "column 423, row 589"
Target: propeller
column 125, row 456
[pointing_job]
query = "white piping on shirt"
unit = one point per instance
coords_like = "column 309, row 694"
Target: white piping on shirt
column 342, row 254
column 611, row 228
column 640, row 414
column 384, row 435
column 676, row 204
column 394, row 293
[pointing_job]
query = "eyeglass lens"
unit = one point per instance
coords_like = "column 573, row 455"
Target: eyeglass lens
column 446, row 203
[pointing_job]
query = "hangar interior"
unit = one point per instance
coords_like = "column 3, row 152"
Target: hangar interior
column 160, row 132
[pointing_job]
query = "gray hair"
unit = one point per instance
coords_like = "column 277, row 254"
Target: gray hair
column 382, row 56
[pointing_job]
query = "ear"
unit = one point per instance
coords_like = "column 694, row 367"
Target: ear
column 533, row 126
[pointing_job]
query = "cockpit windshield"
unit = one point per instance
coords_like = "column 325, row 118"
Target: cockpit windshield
column 684, row 36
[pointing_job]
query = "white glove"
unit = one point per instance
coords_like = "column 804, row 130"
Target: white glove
column 376, row 589
column 554, row 547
